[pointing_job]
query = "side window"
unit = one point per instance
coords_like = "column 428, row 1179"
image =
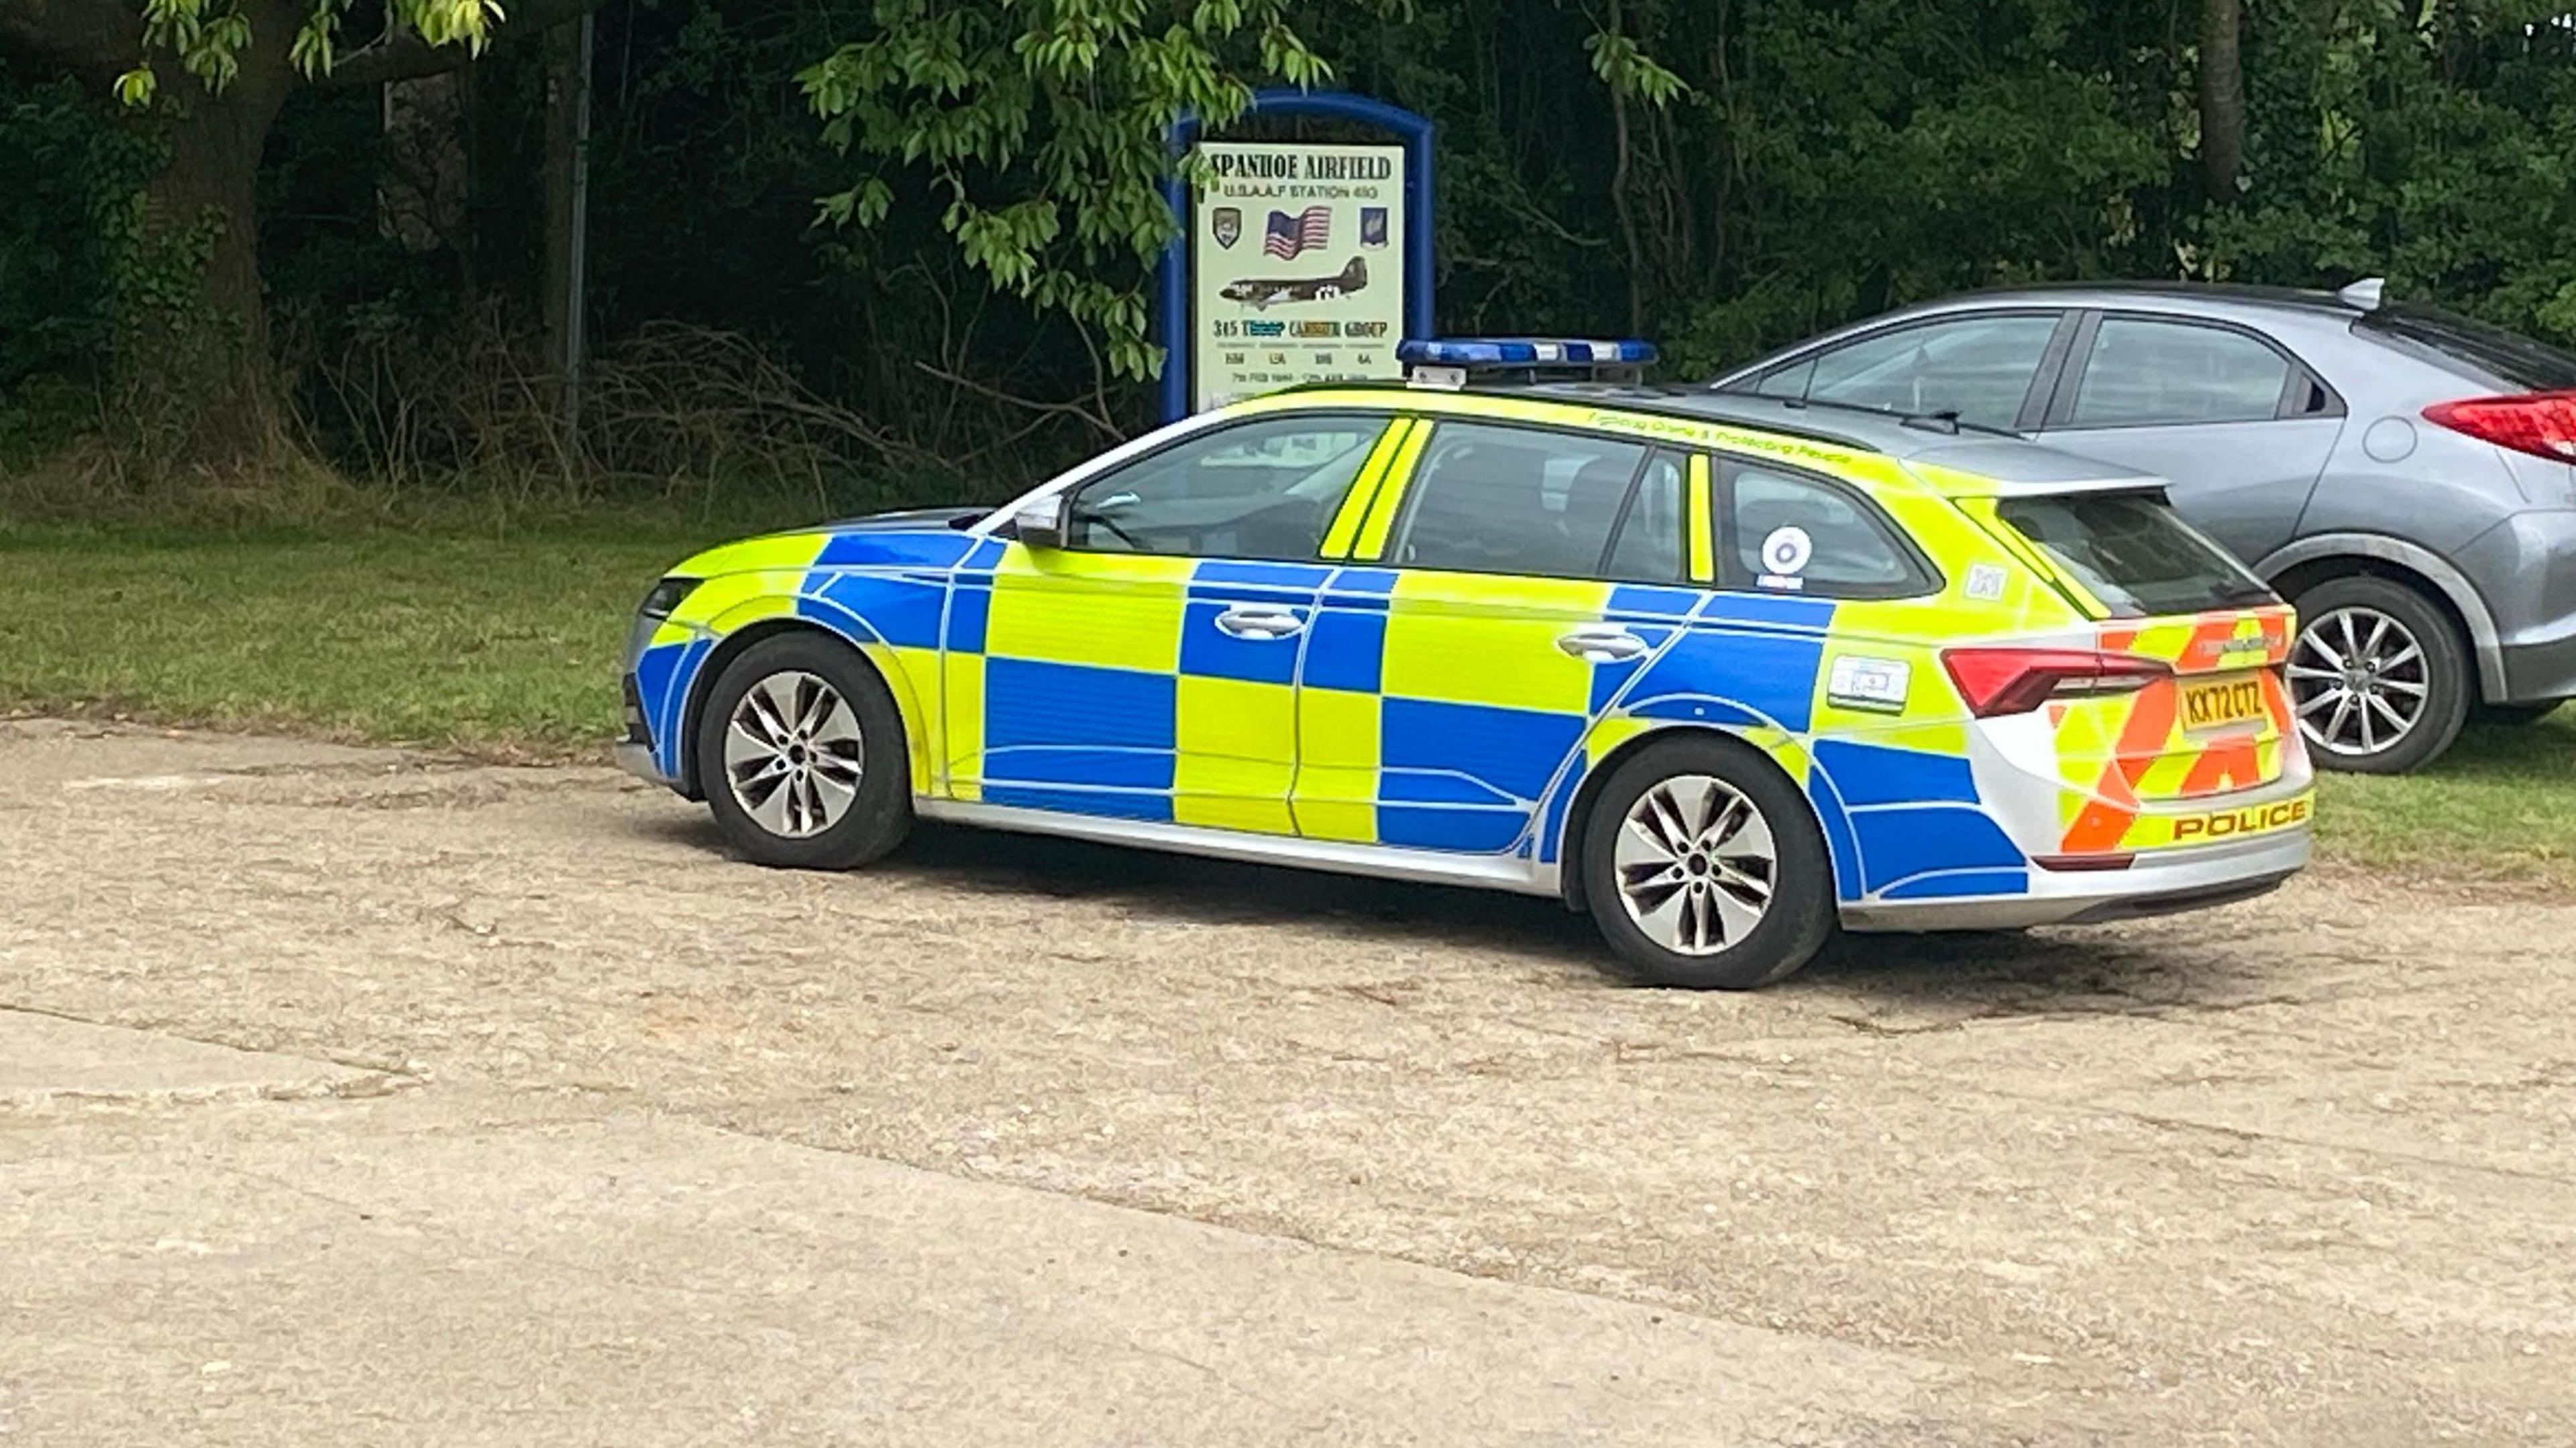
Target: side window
column 1649, row 546
column 1787, row 533
column 1790, row 381
column 1978, row 367
column 2141, row 373
column 1264, row 490
column 1488, row 499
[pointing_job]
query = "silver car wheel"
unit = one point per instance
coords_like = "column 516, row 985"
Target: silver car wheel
column 793, row 754
column 2358, row 681
column 1695, row 863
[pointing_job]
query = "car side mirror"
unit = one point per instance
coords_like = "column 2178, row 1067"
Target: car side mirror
column 1040, row 522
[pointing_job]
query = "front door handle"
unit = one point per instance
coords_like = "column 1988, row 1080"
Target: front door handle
column 1252, row 622
column 1601, row 645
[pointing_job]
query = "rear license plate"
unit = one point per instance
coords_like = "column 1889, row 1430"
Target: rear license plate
column 2223, row 703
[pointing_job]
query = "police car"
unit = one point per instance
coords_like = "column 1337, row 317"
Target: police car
column 1729, row 673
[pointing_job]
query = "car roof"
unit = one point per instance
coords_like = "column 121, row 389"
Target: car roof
column 2011, row 463
column 2084, row 294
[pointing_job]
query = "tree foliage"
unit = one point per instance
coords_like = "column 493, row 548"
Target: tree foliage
column 944, row 213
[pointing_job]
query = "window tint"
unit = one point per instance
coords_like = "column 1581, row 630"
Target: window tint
column 2142, row 373
column 1978, row 367
column 1797, row 534
column 1514, row 500
column 1649, row 549
column 2133, row 553
column 1262, row 490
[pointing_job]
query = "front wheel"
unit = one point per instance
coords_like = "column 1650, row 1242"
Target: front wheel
column 1704, row 867
column 800, row 752
column 2379, row 676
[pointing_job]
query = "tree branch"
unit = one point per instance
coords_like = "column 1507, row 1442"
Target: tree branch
column 407, row 57
column 96, row 40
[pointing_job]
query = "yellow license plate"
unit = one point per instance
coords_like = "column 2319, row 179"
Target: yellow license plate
column 2223, row 703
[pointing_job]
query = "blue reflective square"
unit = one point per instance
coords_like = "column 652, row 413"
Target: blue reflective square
column 1030, row 702
column 1345, row 650
column 1210, row 652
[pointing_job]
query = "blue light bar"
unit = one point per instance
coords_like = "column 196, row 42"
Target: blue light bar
column 1475, row 353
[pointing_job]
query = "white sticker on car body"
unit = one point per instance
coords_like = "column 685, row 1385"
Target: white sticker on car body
column 1986, row 582
column 1786, row 551
column 1876, row 685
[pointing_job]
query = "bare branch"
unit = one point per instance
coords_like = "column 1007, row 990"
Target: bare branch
column 406, row 56
column 1053, row 409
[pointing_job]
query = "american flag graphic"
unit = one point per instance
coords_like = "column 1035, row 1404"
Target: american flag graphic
column 1308, row 230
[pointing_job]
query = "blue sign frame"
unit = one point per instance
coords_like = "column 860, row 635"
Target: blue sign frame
column 1173, row 277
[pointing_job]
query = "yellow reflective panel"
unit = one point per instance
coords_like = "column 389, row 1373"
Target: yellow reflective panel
column 730, row 601
column 912, row 676
column 1114, row 610
column 777, row 551
column 1355, row 503
column 1390, row 494
column 1466, row 638
column 1338, row 752
column 1702, row 524
column 963, row 712
column 1236, row 754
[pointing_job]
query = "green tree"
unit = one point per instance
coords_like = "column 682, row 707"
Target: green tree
column 205, row 79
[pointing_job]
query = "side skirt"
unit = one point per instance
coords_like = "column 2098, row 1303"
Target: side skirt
column 1490, row 872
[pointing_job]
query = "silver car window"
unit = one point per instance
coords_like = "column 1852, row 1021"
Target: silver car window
column 1978, row 367
column 2143, row 373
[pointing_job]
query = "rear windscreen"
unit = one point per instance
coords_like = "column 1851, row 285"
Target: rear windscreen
column 2130, row 551
column 2517, row 361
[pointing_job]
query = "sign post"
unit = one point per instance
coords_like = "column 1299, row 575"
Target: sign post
column 1297, row 261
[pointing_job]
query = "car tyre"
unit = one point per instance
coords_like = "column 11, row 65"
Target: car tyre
column 801, row 755
column 2373, row 644
column 1703, row 866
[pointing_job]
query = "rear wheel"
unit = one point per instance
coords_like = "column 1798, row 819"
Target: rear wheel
column 2379, row 676
column 1704, row 867
column 801, row 754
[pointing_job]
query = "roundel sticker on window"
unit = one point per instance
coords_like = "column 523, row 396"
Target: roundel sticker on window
column 1785, row 554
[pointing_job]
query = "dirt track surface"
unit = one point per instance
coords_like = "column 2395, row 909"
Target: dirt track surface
column 2302, row 1170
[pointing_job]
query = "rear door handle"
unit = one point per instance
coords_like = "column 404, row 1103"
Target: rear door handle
column 1601, row 645
column 1254, row 622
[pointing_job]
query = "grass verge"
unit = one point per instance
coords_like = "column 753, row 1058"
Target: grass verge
column 503, row 644
column 507, row 644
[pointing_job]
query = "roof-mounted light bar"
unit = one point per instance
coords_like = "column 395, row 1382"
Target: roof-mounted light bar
column 1449, row 362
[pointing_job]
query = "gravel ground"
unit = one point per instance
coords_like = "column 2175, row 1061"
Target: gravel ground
column 2298, row 1170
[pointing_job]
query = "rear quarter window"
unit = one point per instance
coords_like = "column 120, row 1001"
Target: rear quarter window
column 2133, row 553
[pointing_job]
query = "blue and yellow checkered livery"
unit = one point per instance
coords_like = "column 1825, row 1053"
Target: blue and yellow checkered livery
column 1349, row 701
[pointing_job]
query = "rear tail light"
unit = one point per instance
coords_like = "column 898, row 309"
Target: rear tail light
column 1997, row 682
column 2542, row 424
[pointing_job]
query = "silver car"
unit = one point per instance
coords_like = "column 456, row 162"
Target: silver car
column 2405, row 476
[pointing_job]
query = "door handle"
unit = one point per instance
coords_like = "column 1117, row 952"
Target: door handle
column 1601, row 645
column 1249, row 622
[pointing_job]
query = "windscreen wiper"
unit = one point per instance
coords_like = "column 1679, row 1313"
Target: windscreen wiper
column 1946, row 421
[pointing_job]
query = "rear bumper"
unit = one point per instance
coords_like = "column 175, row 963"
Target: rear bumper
column 2537, row 672
column 2166, row 883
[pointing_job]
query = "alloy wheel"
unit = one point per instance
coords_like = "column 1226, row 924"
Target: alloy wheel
column 1696, row 863
column 2358, row 681
column 793, row 754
